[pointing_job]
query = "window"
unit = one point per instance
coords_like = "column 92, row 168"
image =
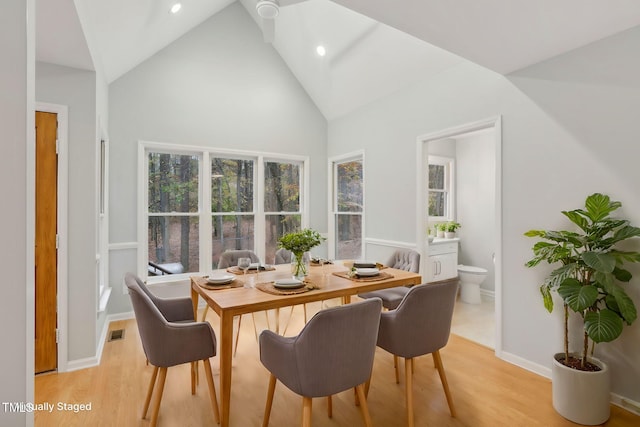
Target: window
column 348, row 207
column 232, row 205
column 202, row 202
column 440, row 188
column 173, row 220
column 281, row 202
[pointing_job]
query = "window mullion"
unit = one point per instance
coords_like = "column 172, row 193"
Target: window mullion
column 205, row 217
column 259, row 217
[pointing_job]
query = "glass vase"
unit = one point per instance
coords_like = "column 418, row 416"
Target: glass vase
column 300, row 265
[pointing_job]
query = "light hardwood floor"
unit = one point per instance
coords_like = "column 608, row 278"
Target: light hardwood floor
column 486, row 391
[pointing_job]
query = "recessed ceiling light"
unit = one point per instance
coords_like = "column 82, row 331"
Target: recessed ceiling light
column 321, row 50
column 176, row 8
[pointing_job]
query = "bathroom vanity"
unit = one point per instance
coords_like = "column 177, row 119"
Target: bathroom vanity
column 442, row 263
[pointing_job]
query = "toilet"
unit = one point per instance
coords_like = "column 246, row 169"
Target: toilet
column 470, row 280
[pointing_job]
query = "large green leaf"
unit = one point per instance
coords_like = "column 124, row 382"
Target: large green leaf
column 535, row 233
column 603, row 326
column 599, row 206
column 577, row 218
column 577, row 296
column 626, row 307
column 622, row 256
column 626, row 233
column 557, row 276
column 547, row 299
column 622, row 275
column 600, row 261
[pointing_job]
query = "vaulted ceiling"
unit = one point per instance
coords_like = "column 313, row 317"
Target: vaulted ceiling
column 374, row 47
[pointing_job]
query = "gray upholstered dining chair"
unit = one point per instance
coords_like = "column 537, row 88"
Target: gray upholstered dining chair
column 333, row 352
column 283, row 256
column 402, row 259
column 420, row 325
column 179, row 309
column 169, row 344
column 230, row 258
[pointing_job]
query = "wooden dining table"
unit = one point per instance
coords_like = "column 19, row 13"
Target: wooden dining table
column 328, row 282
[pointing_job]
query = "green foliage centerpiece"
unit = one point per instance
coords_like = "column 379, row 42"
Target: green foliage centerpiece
column 591, row 271
column 298, row 243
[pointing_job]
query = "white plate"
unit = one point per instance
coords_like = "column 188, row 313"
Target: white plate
column 367, row 271
column 221, row 279
column 288, row 283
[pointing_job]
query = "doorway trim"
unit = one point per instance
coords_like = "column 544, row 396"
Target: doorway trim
column 422, row 152
column 62, row 112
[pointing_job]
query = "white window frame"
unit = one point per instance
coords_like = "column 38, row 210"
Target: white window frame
column 333, row 199
column 449, row 187
column 204, row 199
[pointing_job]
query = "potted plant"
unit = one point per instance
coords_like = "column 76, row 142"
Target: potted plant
column 589, row 278
column 300, row 243
column 440, row 229
column 450, row 229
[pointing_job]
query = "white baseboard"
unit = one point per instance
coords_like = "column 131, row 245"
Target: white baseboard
column 526, row 364
column 488, row 294
column 626, row 403
column 90, row 362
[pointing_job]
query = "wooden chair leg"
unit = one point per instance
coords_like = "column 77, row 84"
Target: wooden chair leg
column 156, row 405
column 329, row 406
column 395, row 366
column 443, row 378
column 288, row 321
column 306, row 412
column 235, row 349
column 409, row 391
column 255, row 330
column 204, row 313
column 364, row 408
column 267, row 408
column 152, row 384
column 212, row 390
column 193, row 377
column 367, row 385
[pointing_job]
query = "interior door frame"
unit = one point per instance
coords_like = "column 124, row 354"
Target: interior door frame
column 422, row 152
column 62, row 113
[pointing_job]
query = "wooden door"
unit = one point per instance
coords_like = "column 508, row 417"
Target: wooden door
column 46, row 259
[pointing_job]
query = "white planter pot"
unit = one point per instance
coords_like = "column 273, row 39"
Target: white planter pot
column 440, row 233
column 449, row 234
column 579, row 396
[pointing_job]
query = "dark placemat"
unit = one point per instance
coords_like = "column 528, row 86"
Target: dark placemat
column 269, row 288
column 382, row 276
column 235, row 270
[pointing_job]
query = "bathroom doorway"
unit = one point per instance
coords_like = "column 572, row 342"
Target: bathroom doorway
column 475, row 151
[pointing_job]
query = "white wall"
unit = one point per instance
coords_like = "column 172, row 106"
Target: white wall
column 219, row 85
column 77, row 89
column 17, row 49
column 475, row 206
column 569, row 129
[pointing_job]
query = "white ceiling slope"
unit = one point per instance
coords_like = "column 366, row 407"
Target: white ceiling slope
column 370, row 53
column 365, row 59
column 504, row 35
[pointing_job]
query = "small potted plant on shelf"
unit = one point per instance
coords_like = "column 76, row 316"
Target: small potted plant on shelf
column 440, row 229
column 300, row 243
column 589, row 278
column 450, row 229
